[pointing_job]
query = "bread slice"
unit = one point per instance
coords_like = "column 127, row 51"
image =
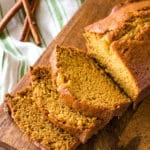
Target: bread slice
column 121, row 44
column 84, row 86
column 36, row 124
column 47, row 99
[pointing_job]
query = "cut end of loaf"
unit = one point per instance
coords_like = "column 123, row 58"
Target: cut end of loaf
column 87, row 84
column 121, row 47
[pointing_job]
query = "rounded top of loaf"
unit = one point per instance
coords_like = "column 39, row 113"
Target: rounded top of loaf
column 119, row 15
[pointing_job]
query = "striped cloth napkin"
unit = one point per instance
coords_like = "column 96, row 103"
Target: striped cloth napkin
column 16, row 56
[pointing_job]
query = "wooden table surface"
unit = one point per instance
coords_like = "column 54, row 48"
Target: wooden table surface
column 131, row 132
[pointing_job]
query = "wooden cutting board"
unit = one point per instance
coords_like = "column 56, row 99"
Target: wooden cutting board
column 132, row 131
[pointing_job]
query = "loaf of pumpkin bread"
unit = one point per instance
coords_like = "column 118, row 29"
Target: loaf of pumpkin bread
column 121, row 44
column 84, row 86
column 36, row 124
column 47, row 99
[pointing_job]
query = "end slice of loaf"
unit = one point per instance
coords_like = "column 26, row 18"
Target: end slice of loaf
column 121, row 44
column 84, row 86
column 47, row 99
column 36, row 124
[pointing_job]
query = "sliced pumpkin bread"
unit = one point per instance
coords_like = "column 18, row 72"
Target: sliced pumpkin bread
column 36, row 125
column 84, row 86
column 121, row 44
column 47, row 99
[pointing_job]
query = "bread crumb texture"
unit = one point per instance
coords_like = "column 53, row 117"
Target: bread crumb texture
column 88, row 82
column 36, row 124
column 47, row 98
column 122, row 47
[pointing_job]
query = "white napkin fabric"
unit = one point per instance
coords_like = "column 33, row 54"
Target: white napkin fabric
column 16, row 56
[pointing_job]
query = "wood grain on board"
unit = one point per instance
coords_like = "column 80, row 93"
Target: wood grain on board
column 132, row 131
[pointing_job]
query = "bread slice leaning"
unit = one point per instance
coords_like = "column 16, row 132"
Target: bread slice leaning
column 36, row 124
column 84, row 86
column 121, row 44
column 47, row 99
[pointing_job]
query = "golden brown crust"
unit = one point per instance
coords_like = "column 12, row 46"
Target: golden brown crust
column 90, row 110
column 83, row 136
column 117, row 17
column 52, row 61
column 139, row 67
column 133, row 52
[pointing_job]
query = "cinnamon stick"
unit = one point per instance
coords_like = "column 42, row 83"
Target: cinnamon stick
column 31, row 22
column 10, row 14
column 26, row 29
